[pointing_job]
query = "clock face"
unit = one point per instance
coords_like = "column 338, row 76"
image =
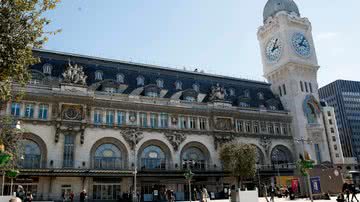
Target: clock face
column 301, row 45
column 273, row 50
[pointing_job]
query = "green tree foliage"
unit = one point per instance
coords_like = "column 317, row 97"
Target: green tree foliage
column 21, row 29
column 240, row 160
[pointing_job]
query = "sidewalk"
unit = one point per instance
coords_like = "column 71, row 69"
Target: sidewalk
column 333, row 199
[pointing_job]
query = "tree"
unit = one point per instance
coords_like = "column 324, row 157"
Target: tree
column 21, row 29
column 240, row 160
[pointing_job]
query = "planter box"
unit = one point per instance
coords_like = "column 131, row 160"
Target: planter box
column 245, row 196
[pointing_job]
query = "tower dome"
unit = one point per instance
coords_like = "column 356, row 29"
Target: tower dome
column 274, row 6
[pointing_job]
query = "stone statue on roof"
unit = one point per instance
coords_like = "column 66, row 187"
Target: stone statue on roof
column 217, row 93
column 74, row 74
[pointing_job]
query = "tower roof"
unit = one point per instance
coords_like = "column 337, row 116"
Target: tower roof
column 274, row 6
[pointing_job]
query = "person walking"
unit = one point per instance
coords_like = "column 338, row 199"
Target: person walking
column 71, row 197
column 272, row 193
column 346, row 190
column 353, row 192
column 83, row 196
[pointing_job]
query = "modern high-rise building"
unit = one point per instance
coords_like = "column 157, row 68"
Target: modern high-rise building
column 344, row 96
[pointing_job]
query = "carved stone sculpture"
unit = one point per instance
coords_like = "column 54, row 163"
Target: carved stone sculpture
column 266, row 144
column 224, row 124
column 175, row 138
column 74, row 74
column 222, row 139
column 217, row 93
column 132, row 136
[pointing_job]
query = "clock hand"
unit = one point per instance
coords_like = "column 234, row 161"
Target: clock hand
column 275, row 46
column 302, row 42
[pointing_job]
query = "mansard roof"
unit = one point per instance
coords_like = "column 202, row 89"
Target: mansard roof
column 151, row 73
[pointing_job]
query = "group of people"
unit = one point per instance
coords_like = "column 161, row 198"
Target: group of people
column 66, row 196
column 275, row 191
column 201, row 195
column 347, row 190
column 24, row 196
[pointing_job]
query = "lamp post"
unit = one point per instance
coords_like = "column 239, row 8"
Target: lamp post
column 302, row 141
column 188, row 176
column 135, row 166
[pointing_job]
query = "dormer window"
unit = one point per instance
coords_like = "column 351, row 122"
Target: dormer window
column 140, row 80
column 152, row 94
column 190, row 99
column 47, row 68
column 244, row 104
column 178, row 85
column 231, row 92
column 120, row 78
column 110, row 90
column 196, row 87
column 247, row 93
column 160, row 83
column 98, row 75
column 261, row 96
column 272, row 107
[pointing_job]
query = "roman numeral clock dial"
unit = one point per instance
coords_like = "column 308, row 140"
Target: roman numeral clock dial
column 273, row 50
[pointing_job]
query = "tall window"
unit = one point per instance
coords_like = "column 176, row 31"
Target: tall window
column 160, row 83
column 178, row 85
column 109, row 117
column 256, row 127
column 203, row 123
column 140, row 80
column 280, row 92
column 232, row 92
column 120, row 78
column 192, row 122
column 164, row 120
column 29, row 110
column 183, row 122
column 143, row 119
column 69, row 151
column 121, row 119
column 285, row 130
column 97, row 117
column 248, row 127
column 15, row 109
column 271, row 128
column 284, row 89
column 306, row 87
column 196, row 87
column 43, row 111
column 47, row 68
column 239, row 126
column 277, row 128
column 301, row 86
column 98, row 75
column 310, row 86
column 154, row 120
column 330, row 121
column 332, row 130
column 318, row 153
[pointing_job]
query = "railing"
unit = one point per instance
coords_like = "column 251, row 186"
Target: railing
column 108, row 163
column 31, row 162
column 275, row 167
column 153, row 164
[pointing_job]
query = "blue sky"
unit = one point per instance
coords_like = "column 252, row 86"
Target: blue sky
column 216, row 36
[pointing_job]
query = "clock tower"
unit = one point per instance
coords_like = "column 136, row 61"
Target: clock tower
column 290, row 65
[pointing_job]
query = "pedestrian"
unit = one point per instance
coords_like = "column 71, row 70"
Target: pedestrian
column 341, row 198
column 346, row 190
column 20, row 193
column 83, row 196
column 204, row 195
column 195, row 198
column 63, row 196
column 71, row 197
column 29, row 197
column 272, row 193
column 353, row 192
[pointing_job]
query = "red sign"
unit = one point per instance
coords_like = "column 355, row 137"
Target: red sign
column 295, row 185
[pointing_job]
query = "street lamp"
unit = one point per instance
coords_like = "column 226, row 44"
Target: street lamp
column 135, row 166
column 302, row 141
column 188, row 176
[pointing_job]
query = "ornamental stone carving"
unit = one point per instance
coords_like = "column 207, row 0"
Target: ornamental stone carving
column 70, row 128
column 221, row 139
column 132, row 136
column 74, row 74
column 217, row 93
column 265, row 142
column 224, row 124
column 72, row 112
column 175, row 138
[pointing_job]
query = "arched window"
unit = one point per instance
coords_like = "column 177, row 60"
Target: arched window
column 108, row 156
column 98, row 75
column 47, row 68
column 281, row 155
column 120, row 78
column 160, row 83
column 247, row 93
column 194, row 159
column 31, row 154
column 140, row 80
column 190, row 98
column 261, row 95
column 196, row 87
column 153, row 158
column 178, row 85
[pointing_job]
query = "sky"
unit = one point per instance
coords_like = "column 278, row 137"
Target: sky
column 216, row 36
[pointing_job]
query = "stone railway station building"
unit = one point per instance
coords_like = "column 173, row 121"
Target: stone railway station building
column 90, row 121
